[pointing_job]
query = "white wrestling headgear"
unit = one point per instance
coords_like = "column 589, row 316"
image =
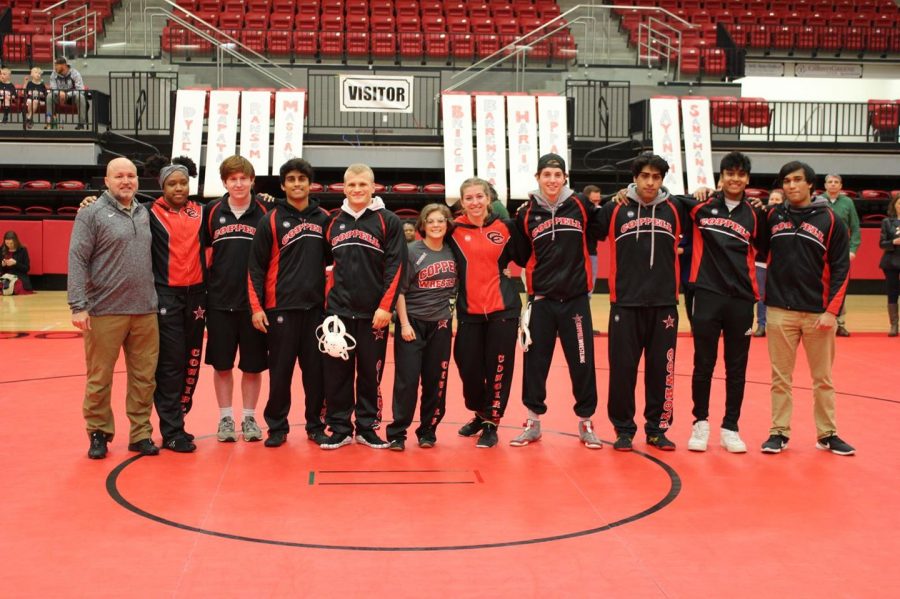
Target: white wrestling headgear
column 333, row 338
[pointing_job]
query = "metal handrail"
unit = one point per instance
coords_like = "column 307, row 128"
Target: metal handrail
column 81, row 23
column 665, row 41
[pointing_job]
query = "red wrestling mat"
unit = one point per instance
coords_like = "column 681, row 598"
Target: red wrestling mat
column 551, row 519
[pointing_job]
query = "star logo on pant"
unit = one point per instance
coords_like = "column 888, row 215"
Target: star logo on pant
column 442, row 324
column 199, row 313
column 669, row 321
column 378, row 333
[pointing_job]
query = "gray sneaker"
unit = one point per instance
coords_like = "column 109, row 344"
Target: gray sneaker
column 251, row 430
column 531, row 433
column 587, row 436
column 226, row 432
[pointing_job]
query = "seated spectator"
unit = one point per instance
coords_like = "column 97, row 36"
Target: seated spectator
column 7, row 94
column 35, row 94
column 14, row 265
column 67, row 87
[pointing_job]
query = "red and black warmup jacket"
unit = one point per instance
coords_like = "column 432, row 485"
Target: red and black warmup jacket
column 809, row 258
column 228, row 239
column 287, row 259
column 644, row 269
column 559, row 264
column 725, row 245
column 369, row 255
column 482, row 253
column 177, row 257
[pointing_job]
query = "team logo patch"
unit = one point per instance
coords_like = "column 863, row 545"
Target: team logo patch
column 629, row 214
column 222, row 220
column 616, row 318
column 538, row 217
column 495, row 237
column 669, row 322
column 162, row 311
column 199, row 313
column 378, row 333
column 715, row 211
column 191, row 212
column 280, row 320
column 468, row 238
column 342, row 227
column 286, row 225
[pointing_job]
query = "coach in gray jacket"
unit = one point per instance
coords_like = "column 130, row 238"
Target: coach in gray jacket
column 113, row 301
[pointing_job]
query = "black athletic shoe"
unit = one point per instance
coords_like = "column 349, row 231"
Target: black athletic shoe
column 660, row 442
column 397, row 445
column 623, row 443
column 276, row 439
column 144, row 447
column 98, row 449
column 336, row 441
column 179, row 444
column 371, row 439
column 318, row 437
column 842, row 331
column 835, row 444
column 427, row 440
column 488, row 436
column 472, row 427
column 188, row 436
column 774, row 444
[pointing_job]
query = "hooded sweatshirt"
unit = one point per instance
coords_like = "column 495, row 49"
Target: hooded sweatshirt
column 369, row 253
column 809, row 258
column 558, row 266
column 644, row 269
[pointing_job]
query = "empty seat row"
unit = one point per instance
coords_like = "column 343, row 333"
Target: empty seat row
column 829, row 39
column 41, row 185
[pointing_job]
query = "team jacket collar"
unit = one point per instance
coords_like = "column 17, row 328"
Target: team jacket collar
column 564, row 194
column 376, row 204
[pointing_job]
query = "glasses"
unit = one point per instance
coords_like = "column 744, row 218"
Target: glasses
column 435, row 221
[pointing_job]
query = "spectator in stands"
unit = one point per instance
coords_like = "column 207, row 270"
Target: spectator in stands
column 8, row 94
column 229, row 225
column 409, row 231
column 35, row 94
column 776, row 197
column 592, row 194
column 67, row 87
column 498, row 208
column 488, row 306
column 843, row 206
column 809, row 265
column 15, row 263
column 366, row 243
column 113, row 302
column 890, row 261
column 424, row 321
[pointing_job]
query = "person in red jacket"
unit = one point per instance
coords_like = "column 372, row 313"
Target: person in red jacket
column 366, row 242
column 287, row 292
column 488, row 307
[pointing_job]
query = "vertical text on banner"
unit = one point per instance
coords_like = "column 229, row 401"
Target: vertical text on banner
column 697, row 145
column 490, row 142
column 553, row 126
column 521, row 122
column 255, row 117
column 290, row 106
column 187, row 133
column 458, row 151
column 221, row 137
column 667, row 140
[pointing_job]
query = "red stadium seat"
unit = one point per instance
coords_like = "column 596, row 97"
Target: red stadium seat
column 336, row 187
column 357, row 44
column 874, row 194
column 279, row 43
column 437, row 45
column 67, row 210
column 407, row 213
column 37, row 184
column 755, row 112
column 690, row 61
column 411, row 45
column 404, row 188
column 331, row 43
column 10, row 210
column 316, row 187
column 725, row 111
column 38, row 210
column 306, row 43
column 462, row 46
column 755, row 192
column 70, row 185
column 884, row 115
column 434, row 188
column 384, row 45
column 10, row 184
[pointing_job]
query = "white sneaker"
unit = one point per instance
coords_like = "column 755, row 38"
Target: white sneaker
column 699, row 436
column 731, row 441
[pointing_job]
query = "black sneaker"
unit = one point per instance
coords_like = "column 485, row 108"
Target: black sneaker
column 488, row 436
column 370, row 438
column 472, row 427
column 835, row 444
column 397, row 445
column 179, row 444
column 79, row 126
column 774, row 444
column 336, row 441
column 318, row 437
column 276, row 439
column 623, row 443
column 427, row 440
column 660, row 442
column 144, row 447
column 98, row 450
column 842, row 331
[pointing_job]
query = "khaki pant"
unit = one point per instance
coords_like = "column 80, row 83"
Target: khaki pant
column 785, row 330
column 139, row 336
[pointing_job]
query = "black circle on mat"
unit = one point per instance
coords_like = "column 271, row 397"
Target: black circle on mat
column 674, row 490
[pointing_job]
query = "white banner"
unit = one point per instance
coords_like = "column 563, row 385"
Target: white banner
column 458, row 155
column 360, row 93
column 255, row 116
column 288, row 142
column 553, row 127
column 221, row 137
column 667, row 140
column 521, row 122
column 697, row 144
column 490, row 142
column 187, row 134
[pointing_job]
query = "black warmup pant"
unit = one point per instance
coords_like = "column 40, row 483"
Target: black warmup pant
column 182, row 317
column 292, row 339
column 485, row 354
column 571, row 321
column 427, row 356
column 732, row 318
column 653, row 332
column 365, row 367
